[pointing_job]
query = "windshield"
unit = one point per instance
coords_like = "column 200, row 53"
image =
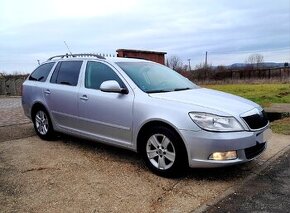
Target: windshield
column 151, row 77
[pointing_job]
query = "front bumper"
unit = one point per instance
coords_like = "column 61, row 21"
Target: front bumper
column 200, row 145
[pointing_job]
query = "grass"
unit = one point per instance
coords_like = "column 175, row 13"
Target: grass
column 263, row 94
column 281, row 126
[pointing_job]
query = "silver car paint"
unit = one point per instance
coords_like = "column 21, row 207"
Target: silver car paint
column 117, row 118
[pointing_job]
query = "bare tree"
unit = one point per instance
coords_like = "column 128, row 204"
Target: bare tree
column 185, row 67
column 175, row 63
column 255, row 60
column 221, row 68
column 203, row 65
column 203, row 71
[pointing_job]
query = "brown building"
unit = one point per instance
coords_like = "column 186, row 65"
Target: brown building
column 158, row 57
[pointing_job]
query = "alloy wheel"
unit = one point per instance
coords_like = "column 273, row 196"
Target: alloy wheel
column 41, row 122
column 160, row 151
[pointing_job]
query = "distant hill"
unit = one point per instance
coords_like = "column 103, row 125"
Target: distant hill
column 264, row 64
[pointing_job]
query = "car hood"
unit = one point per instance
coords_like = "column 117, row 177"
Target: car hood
column 210, row 99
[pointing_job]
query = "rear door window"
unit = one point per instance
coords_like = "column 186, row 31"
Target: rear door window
column 41, row 72
column 67, row 72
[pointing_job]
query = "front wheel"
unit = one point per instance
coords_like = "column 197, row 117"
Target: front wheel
column 42, row 124
column 164, row 152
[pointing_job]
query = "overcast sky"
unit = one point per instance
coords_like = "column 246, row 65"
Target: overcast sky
column 230, row 31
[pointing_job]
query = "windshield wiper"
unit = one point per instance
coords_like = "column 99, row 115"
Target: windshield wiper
column 179, row 89
column 157, row 91
column 161, row 90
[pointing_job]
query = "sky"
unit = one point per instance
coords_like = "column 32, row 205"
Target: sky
column 228, row 30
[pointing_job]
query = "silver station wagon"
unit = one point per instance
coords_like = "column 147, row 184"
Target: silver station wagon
column 145, row 107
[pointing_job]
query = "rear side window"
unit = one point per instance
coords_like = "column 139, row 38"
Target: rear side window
column 41, row 72
column 67, row 72
column 97, row 73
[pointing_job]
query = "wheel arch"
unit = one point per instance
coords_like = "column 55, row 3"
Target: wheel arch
column 50, row 132
column 38, row 105
column 154, row 123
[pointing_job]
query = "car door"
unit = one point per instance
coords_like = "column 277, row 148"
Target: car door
column 105, row 115
column 62, row 92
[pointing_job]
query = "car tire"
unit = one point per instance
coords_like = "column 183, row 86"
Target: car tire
column 164, row 152
column 42, row 124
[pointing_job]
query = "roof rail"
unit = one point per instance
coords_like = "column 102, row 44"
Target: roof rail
column 77, row 55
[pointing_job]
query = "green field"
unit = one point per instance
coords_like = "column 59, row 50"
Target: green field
column 263, row 94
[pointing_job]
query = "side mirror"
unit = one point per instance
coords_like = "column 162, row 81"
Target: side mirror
column 112, row 86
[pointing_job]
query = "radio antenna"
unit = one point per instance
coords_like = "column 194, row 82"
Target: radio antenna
column 67, row 47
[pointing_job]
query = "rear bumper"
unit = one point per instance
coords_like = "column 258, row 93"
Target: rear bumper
column 200, row 145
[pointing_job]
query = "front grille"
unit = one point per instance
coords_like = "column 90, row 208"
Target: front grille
column 253, row 151
column 256, row 121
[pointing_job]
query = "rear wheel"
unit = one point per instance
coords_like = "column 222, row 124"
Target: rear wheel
column 42, row 124
column 164, row 152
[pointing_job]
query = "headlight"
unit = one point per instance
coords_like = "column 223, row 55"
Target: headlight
column 215, row 123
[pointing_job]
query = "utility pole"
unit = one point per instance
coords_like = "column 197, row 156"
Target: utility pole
column 189, row 68
column 205, row 63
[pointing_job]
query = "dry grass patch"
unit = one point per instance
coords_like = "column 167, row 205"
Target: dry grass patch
column 281, row 126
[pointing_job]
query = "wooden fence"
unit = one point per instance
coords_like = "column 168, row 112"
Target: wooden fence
column 11, row 84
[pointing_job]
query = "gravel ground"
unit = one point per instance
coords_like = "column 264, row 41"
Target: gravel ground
column 11, row 112
column 76, row 175
column 72, row 174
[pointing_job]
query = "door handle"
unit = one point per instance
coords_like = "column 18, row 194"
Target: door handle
column 47, row 91
column 84, row 98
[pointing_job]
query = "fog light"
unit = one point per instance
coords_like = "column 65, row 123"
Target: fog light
column 230, row 155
